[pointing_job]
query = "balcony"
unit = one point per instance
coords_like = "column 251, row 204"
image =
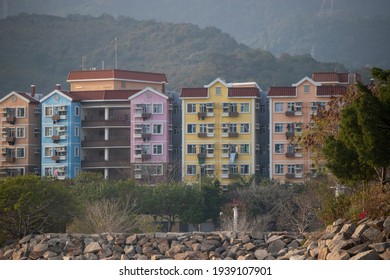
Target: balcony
column 290, row 155
column 292, row 176
column 95, row 143
column 290, row 113
column 146, row 157
column 202, row 135
column 232, row 175
column 56, row 138
column 99, row 122
column 56, row 118
column 202, row 156
column 11, row 119
column 202, row 115
column 146, row 136
column 146, row 116
column 232, row 134
column 11, row 140
column 55, row 158
column 100, row 163
column 290, row 134
column 233, row 114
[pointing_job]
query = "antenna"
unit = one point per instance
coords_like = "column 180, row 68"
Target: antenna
column 116, row 56
column 83, row 62
column 326, row 8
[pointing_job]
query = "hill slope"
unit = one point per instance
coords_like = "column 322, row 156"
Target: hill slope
column 353, row 32
column 41, row 50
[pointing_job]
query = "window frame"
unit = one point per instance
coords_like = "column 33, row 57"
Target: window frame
column 17, row 112
column 279, row 109
column 192, row 168
column 191, row 106
column 157, row 105
column 157, row 146
column 247, row 105
column 20, row 129
column 193, row 130
column 50, row 108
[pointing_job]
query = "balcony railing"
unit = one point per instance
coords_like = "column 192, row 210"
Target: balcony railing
column 55, row 158
column 11, row 119
column 56, row 138
column 146, row 116
column 146, row 136
column 11, row 140
column 146, row 157
column 202, row 155
column 100, row 163
column 202, row 115
column 290, row 113
column 112, row 142
column 202, row 135
column 290, row 155
column 233, row 134
column 233, row 114
column 96, row 121
column 56, row 117
column 9, row 159
column 290, row 134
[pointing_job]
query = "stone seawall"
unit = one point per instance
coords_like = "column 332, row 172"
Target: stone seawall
column 368, row 239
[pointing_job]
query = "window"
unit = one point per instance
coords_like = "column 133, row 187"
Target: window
column 244, row 169
column 279, row 128
column 218, row 90
column 306, row 88
column 77, row 111
column 20, row 112
column 244, row 107
column 20, row 152
column 191, row 169
column 244, row 128
column 48, row 131
column 279, row 148
column 232, row 127
column 157, row 149
column 157, row 129
column 191, row 108
column 157, row 108
column 244, row 149
column 48, row 111
column 203, row 128
column 279, row 168
column 279, row 107
column 76, row 151
column 20, row 132
column 48, row 171
column 191, row 149
column 156, row 170
column 291, row 168
column 48, row 152
column 191, row 128
column 77, row 131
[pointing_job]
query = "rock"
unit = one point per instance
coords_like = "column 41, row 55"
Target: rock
column 358, row 249
column 323, row 252
column 380, row 247
column 92, row 247
column 129, row 250
column 293, row 244
column 367, row 255
column 25, row 239
column 275, row 246
column 373, row 234
column 246, row 239
column 131, row 240
column 274, row 238
column 386, row 255
column 348, row 230
column 359, row 230
column 338, row 254
column 386, row 224
column 106, row 252
column 314, row 252
column 49, row 255
column 249, row 247
column 261, row 254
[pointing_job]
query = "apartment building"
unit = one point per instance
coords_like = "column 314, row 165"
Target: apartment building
column 60, row 137
column 220, row 127
column 290, row 112
column 150, row 136
column 20, row 128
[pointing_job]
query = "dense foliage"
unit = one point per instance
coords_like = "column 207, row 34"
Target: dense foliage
column 41, row 50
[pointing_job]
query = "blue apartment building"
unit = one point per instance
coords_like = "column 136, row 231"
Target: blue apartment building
column 61, row 141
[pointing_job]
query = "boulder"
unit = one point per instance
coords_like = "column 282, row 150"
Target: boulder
column 367, row 255
column 92, row 247
column 261, row 254
column 338, row 254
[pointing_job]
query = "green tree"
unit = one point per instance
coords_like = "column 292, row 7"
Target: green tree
column 32, row 204
column 361, row 151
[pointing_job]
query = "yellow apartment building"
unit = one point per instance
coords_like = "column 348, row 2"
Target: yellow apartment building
column 291, row 109
column 220, row 124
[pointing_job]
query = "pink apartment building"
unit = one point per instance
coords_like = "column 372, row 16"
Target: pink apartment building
column 150, row 135
column 291, row 109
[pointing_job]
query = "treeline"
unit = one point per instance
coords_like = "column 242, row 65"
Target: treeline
column 41, row 50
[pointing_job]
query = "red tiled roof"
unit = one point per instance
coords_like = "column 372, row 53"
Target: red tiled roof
column 28, row 96
column 331, row 90
column 281, row 91
column 323, row 77
column 117, row 74
column 194, row 92
column 244, row 92
column 102, row 94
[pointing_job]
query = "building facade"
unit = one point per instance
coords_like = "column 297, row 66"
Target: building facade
column 60, row 137
column 220, row 127
column 290, row 113
column 20, row 127
column 150, row 136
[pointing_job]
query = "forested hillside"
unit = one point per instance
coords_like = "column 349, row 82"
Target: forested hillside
column 41, row 50
column 351, row 32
